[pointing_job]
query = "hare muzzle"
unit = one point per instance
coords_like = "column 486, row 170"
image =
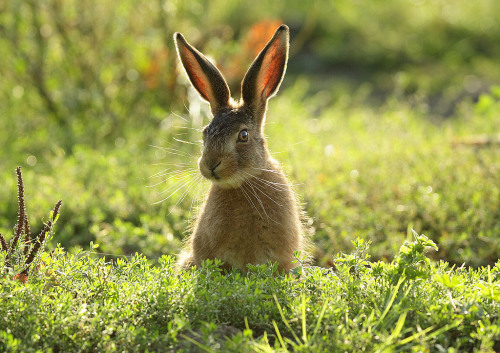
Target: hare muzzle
column 208, row 167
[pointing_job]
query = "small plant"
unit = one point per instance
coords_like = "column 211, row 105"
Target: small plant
column 356, row 262
column 411, row 261
column 18, row 256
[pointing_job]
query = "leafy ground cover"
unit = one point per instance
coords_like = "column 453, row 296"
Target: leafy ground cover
column 79, row 303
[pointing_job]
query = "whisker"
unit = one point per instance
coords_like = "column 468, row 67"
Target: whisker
column 265, row 194
column 281, row 187
column 269, row 170
column 173, row 151
column 259, row 201
column 183, row 196
column 179, row 173
column 300, row 142
column 188, row 127
column 167, row 171
column 252, row 185
column 258, row 198
column 179, row 116
column 277, row 172
column 179, row 165
column 195, row 197
column 168, row 143
column 242, row 188
column 290, row 145
column 160, row 173
column 274, row 185
column 190, row 143
column 180, row 184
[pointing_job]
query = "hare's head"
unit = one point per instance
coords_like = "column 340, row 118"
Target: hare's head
column 234, row 146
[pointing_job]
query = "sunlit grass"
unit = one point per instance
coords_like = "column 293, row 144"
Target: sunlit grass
column 87, row 304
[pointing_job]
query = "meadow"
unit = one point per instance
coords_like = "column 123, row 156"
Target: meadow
column 386, row 123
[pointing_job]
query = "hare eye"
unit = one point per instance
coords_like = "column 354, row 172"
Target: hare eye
column 243, row 136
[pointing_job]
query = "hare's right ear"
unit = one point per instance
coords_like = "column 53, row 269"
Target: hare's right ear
column 204, row 76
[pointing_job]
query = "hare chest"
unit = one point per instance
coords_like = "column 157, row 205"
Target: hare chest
column 242, row 225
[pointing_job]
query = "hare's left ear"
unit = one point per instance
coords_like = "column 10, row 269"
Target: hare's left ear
column 264, row 76
column 204, row 76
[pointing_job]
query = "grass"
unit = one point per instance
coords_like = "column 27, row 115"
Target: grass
column 82, row 303
column 375, row 171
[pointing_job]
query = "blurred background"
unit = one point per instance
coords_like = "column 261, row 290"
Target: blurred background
column 387, row 118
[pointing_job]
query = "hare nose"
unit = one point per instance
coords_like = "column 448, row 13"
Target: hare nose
column 215, row 167
column 212, row 166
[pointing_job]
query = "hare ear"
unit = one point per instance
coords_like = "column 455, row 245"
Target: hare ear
column 204, row 76
column 264, row 76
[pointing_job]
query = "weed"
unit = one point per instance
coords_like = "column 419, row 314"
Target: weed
column 19, row 257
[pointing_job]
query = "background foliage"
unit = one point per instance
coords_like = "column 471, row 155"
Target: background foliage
column 388, row 116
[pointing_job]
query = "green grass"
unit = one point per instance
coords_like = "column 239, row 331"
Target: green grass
column 78, row 303
column 370, row 172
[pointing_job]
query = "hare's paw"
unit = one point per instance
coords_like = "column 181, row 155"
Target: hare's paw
column 186, row 260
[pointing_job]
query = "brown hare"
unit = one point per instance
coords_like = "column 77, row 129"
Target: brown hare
column 251, row 215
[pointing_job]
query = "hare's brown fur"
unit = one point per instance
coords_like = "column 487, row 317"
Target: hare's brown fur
column 251, row 215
